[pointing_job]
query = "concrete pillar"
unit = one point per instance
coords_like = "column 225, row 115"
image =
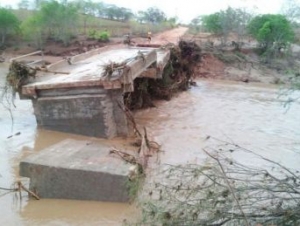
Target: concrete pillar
column 90, row 112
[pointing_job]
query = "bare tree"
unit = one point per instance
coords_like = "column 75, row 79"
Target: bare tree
column 291, row 9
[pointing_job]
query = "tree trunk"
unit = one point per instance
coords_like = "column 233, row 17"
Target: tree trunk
column 2, row 39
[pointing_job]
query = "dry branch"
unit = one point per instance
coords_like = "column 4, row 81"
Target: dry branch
column 223, row 191
column 112, row 67
column 18, row 187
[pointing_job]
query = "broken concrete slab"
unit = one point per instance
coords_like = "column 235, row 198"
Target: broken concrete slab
column 81, row 170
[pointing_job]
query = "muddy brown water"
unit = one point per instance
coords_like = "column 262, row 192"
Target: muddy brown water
column 251, row 115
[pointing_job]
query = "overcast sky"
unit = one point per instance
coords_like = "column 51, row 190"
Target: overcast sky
column 186, row 10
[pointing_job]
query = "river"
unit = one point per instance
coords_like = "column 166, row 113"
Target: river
column 251, row 115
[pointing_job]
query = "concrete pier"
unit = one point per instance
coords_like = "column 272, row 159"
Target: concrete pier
column 79, row 170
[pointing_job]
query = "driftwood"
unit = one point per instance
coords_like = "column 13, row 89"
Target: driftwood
column 146, row 147
column 19, row 187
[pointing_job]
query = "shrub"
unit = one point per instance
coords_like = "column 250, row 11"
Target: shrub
column 103, row 36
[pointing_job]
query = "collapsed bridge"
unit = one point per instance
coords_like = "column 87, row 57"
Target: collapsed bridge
column 82, row 94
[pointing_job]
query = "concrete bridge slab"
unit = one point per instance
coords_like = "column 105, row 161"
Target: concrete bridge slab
column 81, row 170
column 74, row 96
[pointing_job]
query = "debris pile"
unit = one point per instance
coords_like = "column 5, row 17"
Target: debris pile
column 177, row 76
column 18, row 75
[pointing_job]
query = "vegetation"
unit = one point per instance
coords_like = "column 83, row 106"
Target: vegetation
column 102, row 36
column 271, row 30
column 176, row 76
column 62, row 21
column 224, row 22
column 223, row 191
column 9, row 24
column 152, row 15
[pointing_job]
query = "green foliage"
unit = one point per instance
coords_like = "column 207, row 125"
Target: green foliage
column 212, row 23
column 92, row 34
column 9, row 24
column 61, row 20
column 173, row 21
column 102, row 10
column 32, row 29
column 226, row 21
column 270, row 28
column 134, row 185
column 102, row 36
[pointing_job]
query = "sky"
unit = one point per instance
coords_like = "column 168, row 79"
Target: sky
column 186, row 10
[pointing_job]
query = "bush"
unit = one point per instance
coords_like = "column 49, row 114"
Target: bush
column 102, row 36
column 92, row 34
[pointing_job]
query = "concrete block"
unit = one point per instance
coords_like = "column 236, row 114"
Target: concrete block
column 80, row 114
column 79, row 170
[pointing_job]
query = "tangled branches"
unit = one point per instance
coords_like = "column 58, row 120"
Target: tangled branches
column 18, row 74
column 176, row 77
column 224, row 191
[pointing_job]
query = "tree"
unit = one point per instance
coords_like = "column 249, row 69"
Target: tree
column 226, row 21
column 32, row 29
column 173, row 21
column 88, row 10
column 153, row 15
column 9, row 24
column 212, row 23
column 60, row 19
column 291, row 9
column 270, row 29
column 196, row 23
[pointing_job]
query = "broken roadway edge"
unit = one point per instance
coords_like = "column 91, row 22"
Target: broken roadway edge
column 81, row 170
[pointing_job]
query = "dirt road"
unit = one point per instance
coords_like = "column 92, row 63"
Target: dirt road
column 171, row 36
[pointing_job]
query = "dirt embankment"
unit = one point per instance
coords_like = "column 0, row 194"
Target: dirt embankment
column 244, row 64
column 247, row 69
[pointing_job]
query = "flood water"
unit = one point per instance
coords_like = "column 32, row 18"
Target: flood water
column 45, row 211
column 250, row 115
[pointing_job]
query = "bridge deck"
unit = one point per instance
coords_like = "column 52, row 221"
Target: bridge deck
column 87, row 69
